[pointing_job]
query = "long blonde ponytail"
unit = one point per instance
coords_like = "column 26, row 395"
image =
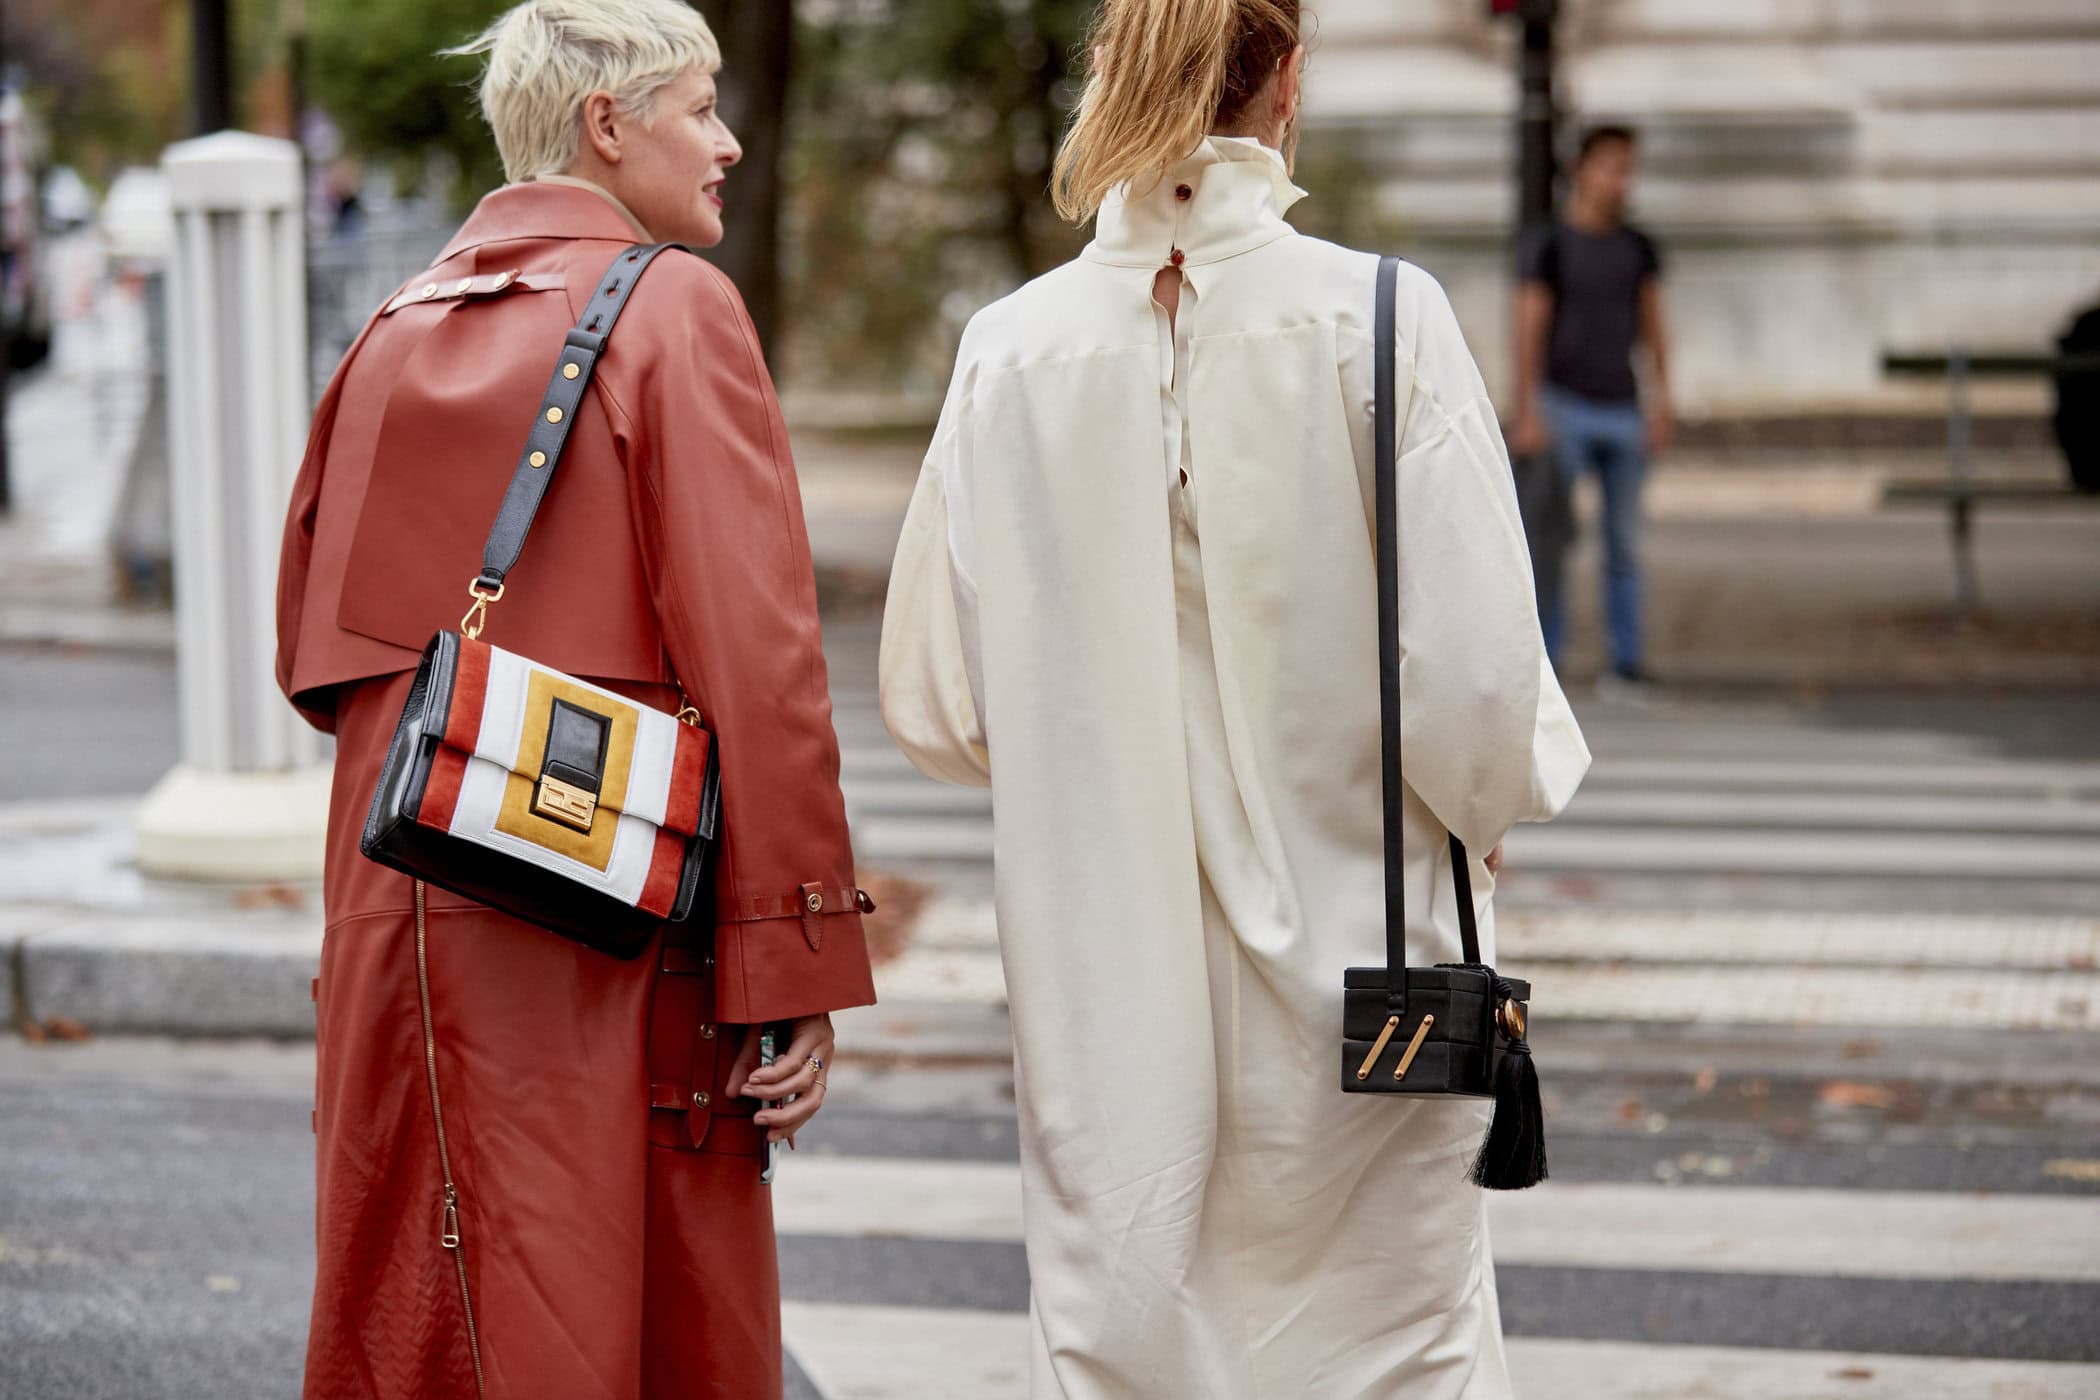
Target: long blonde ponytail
column 1168, row 73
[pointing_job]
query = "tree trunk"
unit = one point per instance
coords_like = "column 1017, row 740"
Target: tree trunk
column 757, row 59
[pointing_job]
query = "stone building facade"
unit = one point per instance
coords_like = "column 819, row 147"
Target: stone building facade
column 1829, row 178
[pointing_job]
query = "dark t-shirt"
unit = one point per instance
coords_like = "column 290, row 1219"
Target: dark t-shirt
column 1596, row 282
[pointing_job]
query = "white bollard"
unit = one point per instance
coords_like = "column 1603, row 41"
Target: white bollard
column 249, row 800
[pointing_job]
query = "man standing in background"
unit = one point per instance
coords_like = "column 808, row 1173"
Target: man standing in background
column 1590, row 291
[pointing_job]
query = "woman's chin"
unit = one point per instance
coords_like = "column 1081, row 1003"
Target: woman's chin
column 705, row 232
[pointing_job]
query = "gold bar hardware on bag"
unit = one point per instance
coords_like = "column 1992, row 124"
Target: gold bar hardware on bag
column 557, row 801
column 1392, row 1023
column 1421, row 1033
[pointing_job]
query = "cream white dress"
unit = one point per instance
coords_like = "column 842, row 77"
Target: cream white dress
column 1172, row 691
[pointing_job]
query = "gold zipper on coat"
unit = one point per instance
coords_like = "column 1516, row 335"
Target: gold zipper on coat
column 448, row 1219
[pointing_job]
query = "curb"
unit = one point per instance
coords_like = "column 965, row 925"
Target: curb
column 184, row 975
column 226, row 975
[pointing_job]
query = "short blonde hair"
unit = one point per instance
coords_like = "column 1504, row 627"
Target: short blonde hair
column 545, row 57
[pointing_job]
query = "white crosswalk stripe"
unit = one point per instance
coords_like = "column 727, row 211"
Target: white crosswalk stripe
column 866, row 1352
column 1660, row 802
column 870, row 1351
column 1800, row 1232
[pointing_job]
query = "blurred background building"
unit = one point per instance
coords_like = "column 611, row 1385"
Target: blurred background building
column 1830, row 178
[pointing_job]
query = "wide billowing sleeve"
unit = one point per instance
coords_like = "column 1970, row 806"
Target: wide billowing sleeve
column 296, row 552
column 718, row 512
column 1488, row 739
column 929, row 700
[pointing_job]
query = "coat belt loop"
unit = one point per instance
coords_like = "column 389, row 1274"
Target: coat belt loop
column 813, row 915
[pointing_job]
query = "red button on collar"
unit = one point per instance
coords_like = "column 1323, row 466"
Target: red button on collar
column 1184, row 192
column 1178, row 258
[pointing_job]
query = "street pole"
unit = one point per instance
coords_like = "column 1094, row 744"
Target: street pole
column 1536, row 114
column 7, row 490
column 211, row 67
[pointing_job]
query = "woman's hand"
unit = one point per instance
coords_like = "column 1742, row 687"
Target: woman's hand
column 788, row 1077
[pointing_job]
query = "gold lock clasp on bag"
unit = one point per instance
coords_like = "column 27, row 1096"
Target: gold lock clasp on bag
column 564, row 802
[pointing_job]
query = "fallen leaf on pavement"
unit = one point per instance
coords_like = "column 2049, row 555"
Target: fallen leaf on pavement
column 269, row 897
column 2073, row 1168
column 1853, row 1094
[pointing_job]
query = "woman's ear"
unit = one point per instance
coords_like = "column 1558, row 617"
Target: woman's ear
column 601, row 126
column 1290, row 87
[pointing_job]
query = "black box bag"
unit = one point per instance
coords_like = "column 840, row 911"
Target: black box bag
column 1454, row 1029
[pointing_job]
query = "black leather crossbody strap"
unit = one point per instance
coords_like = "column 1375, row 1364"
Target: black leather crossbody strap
column 557, row 412
column 1386, row 446
column 1386, row 449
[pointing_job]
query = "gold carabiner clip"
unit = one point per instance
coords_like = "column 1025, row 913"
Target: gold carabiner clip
column 477, row 616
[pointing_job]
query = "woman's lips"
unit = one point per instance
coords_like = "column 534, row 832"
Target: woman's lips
column 715, row 195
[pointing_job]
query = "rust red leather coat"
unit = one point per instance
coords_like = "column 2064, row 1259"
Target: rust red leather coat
column 533, row 1181
column 670, row 550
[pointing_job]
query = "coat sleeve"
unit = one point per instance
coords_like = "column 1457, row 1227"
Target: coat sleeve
column 1487, row 739
column 930, row 701
column 718, row 513
column 295, row 554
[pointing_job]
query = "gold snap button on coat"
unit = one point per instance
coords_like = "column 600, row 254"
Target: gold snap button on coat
column 554, row 415
column 700, row 1099
column 538, row 459
column 466, row 284
column 707, row 1032
column 816, row 903
column 430, row 291
column 570, row 371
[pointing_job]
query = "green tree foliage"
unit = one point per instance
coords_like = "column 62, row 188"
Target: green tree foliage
column 373, row 66
column 918, row 173
column 108, row 77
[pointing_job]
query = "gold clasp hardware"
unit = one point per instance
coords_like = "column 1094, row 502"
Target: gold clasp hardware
column 688, row 715
column 1421, row 1034
column 1392, row 1023
column 478, row 615
column 448, row 1230
column 562, row 802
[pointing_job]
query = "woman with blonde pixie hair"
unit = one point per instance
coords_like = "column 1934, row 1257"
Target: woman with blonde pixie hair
column 540, row 1166
column 1136, row 595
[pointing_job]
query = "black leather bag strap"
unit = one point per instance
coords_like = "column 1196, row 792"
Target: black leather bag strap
column 557, row 414
column 1386, row 449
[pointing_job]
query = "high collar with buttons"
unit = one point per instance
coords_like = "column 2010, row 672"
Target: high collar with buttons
column 1227, row 197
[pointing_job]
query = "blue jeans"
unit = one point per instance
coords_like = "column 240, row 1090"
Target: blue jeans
column 1610, row 439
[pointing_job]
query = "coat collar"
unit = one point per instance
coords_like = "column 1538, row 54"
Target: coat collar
column 539, row 210
column 1238, row 192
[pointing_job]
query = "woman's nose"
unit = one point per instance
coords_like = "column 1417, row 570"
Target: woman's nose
column 732, row 151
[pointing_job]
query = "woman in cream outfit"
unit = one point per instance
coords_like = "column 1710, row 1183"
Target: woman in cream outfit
column 1135, row 595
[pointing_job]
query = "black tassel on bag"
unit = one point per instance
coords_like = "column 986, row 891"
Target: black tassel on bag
column 1513, row 1156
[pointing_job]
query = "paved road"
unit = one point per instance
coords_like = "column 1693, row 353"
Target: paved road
column 1720, row 1224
